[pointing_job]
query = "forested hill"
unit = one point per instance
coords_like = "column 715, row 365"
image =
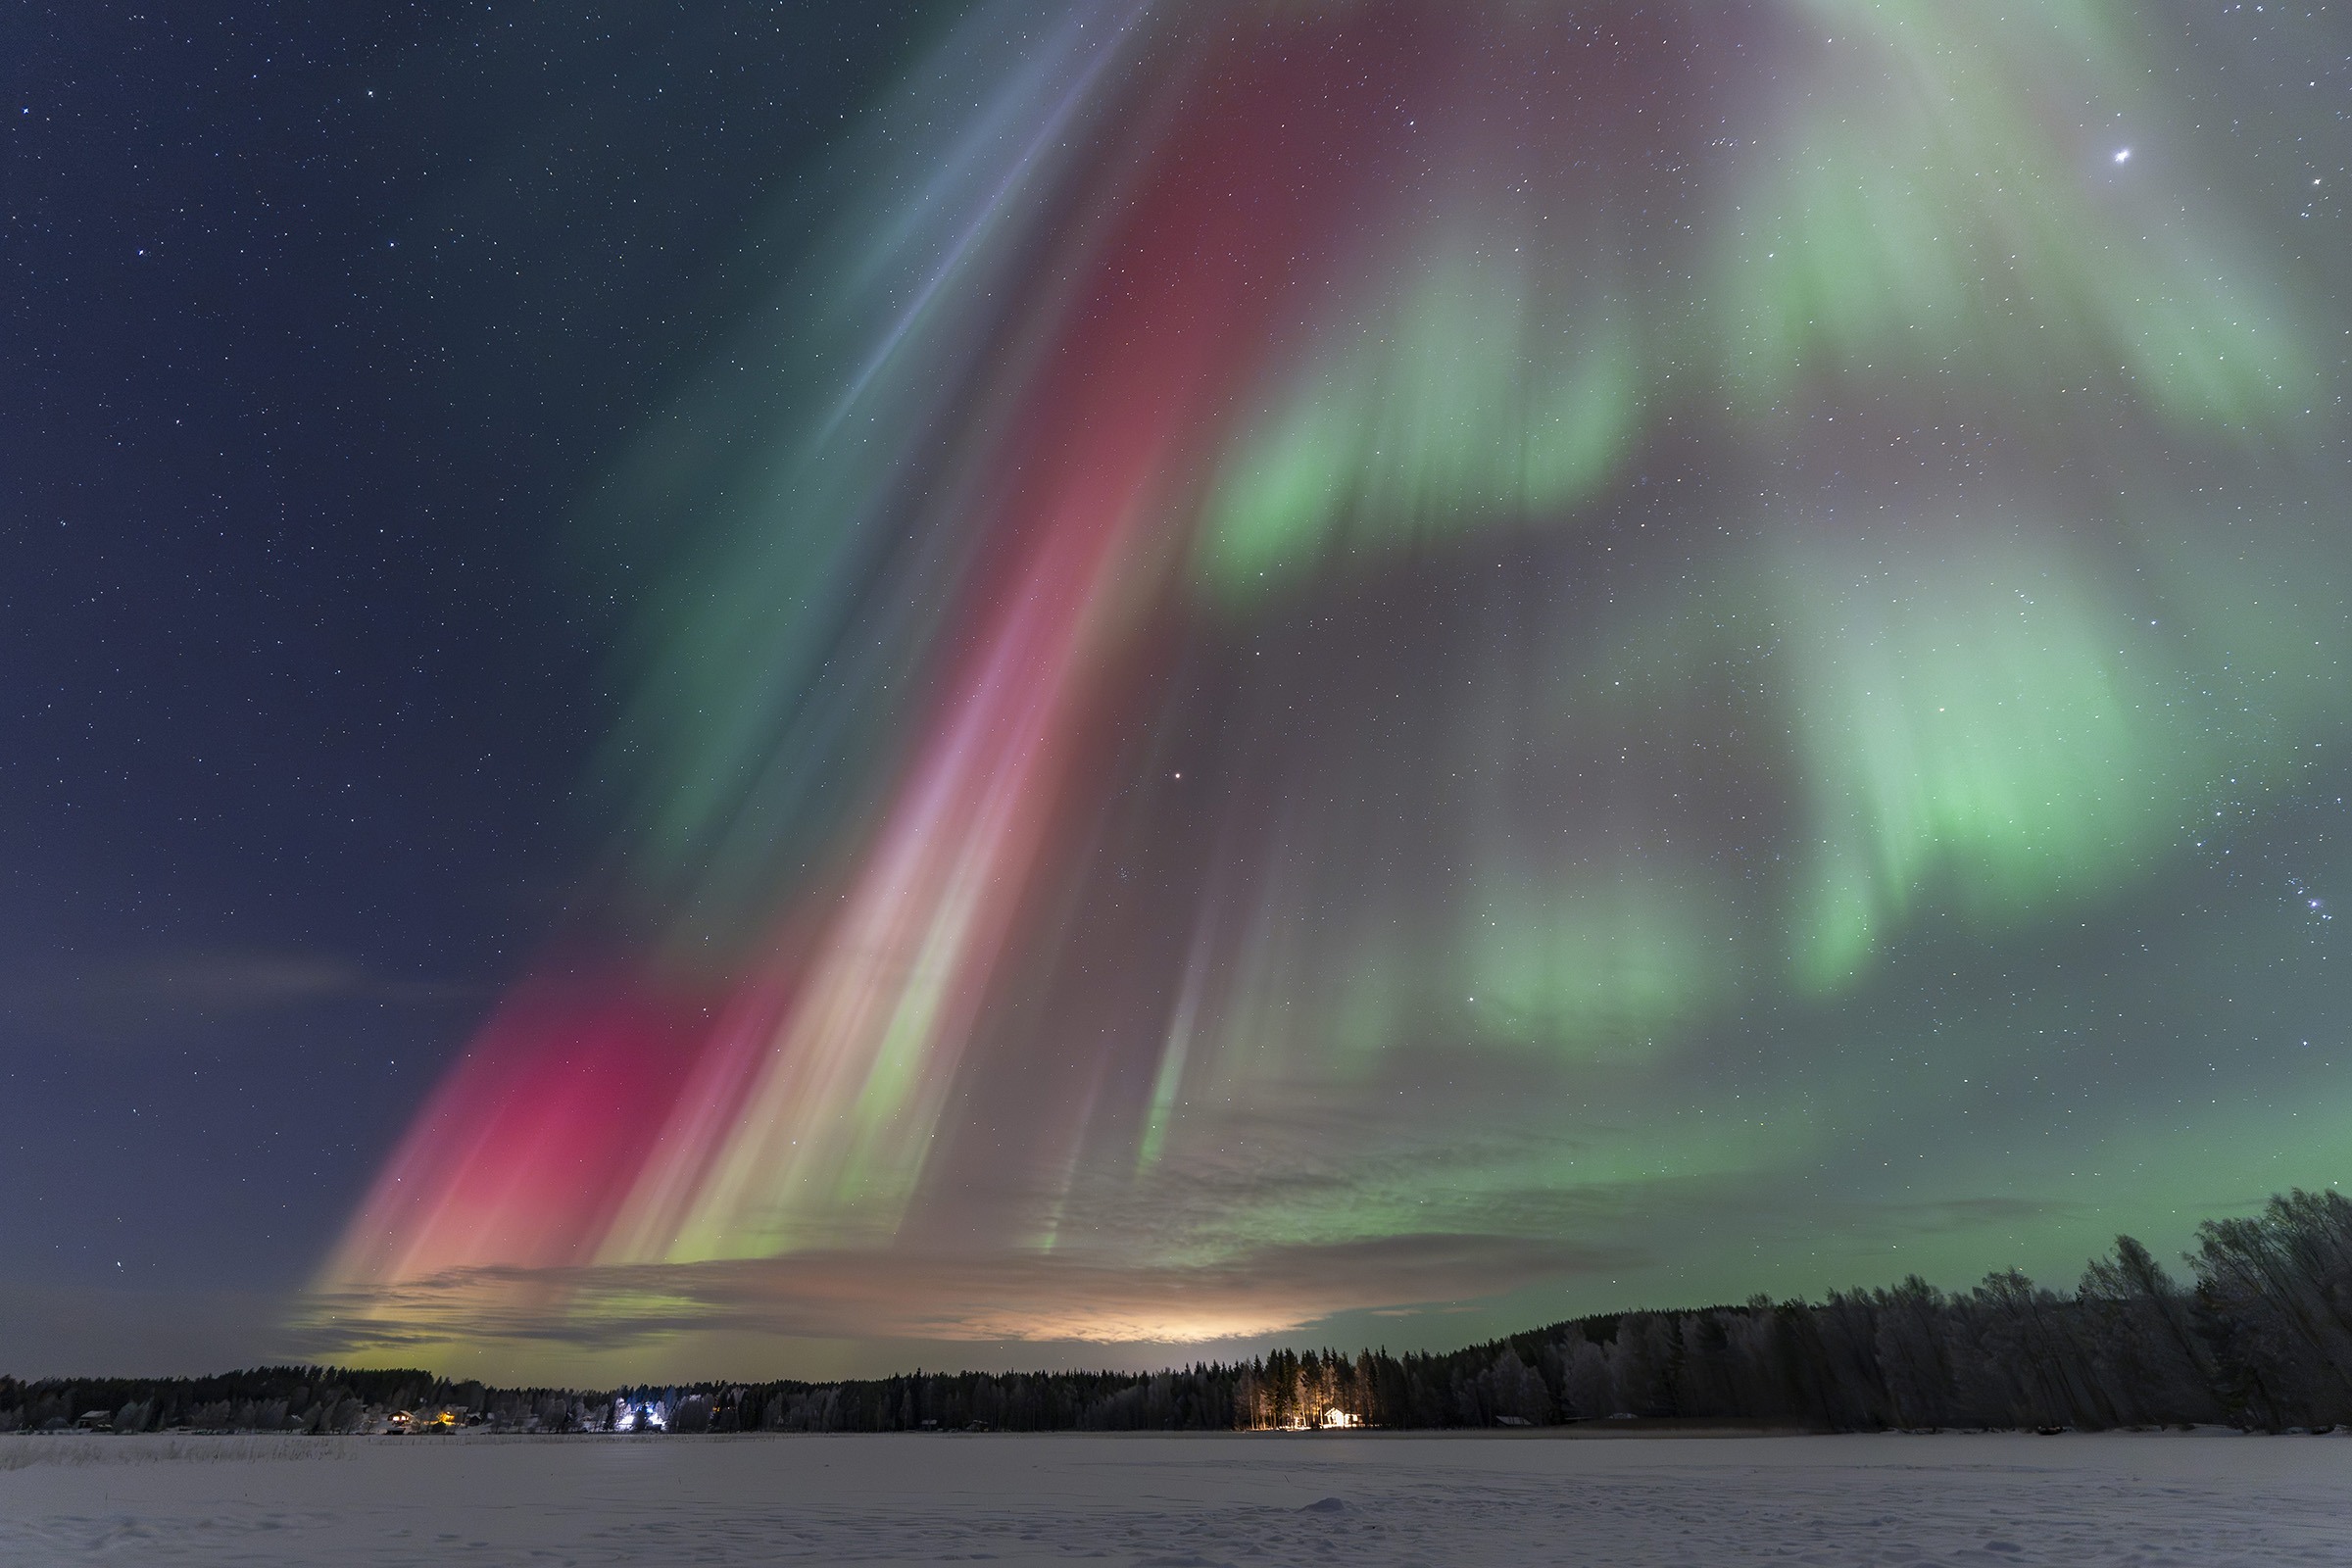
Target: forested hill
column 2261, row 1336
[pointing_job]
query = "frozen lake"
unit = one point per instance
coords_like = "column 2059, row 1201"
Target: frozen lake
column 1194, row 1501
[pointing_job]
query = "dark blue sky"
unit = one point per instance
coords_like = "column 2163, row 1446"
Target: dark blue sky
column 316, row 324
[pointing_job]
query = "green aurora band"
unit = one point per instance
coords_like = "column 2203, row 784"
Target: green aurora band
column 1679, row 650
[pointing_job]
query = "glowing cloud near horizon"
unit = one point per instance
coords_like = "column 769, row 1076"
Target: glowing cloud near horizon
column 1330, row 630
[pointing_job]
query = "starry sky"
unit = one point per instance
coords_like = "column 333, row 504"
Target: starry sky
column 757, row 691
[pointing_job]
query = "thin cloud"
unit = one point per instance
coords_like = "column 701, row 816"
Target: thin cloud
column 237, row 981
column 910, row 1296
column 127, row 996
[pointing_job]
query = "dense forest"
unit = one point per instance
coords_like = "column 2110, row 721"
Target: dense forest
column 2260, row 1336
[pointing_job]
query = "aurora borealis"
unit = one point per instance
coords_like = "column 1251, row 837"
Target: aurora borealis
column 1392, row 668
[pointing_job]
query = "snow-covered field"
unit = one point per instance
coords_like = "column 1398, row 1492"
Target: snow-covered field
column 1354, row 1498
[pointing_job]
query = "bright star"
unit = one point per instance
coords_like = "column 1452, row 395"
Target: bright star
column 2124, row 156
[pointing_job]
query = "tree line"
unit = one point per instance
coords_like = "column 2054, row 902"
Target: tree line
column 2259, row 1335
column 277, row 1398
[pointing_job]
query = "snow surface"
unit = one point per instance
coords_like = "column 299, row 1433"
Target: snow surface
column 1180, row 1500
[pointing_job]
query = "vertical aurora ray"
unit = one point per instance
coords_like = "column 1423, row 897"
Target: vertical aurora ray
column 1400, row 621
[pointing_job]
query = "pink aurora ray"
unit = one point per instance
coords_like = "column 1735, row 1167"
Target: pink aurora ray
column 803, row 1113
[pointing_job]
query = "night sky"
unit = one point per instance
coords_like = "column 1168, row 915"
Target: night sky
column 771, row 690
